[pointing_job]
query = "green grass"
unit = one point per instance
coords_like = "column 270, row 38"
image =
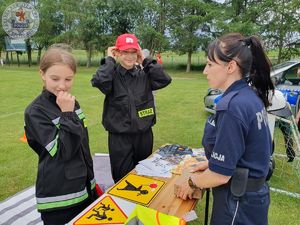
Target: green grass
column 180, row 119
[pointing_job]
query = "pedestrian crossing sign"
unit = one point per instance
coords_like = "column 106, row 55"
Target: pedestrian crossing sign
column 104, row 212
column 138, row 189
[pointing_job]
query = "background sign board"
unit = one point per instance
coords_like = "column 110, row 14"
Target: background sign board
column 12, row 45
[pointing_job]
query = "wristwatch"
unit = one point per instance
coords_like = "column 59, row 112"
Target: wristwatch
column 191, row 183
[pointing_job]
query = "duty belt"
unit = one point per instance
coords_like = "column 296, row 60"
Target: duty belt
column 241, row 183
column 255, row 184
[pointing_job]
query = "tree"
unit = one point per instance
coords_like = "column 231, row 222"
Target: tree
column 50, row 25
column 151, row 30
column 280, row 27
column 276, row 21
column 151, row 39
column 67, row 12
column 188, row 26
column 238, row 16
column 125, row 15
column 92, row 25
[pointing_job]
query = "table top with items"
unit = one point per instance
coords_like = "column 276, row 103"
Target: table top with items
column 149, row 186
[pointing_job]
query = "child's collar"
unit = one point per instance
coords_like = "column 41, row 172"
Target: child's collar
column 123, row 70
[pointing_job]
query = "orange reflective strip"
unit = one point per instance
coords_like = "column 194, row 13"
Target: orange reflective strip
column 182, row 222
column 157, row 218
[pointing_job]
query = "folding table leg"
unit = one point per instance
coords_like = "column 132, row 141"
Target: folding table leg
column 206, row 206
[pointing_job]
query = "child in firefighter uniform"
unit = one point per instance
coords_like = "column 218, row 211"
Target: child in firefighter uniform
column 237, row 139
column 56, row 131
column 129, row 110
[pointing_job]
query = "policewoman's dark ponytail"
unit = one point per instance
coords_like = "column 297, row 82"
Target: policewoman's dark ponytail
column 251, row 59
column 260, row 70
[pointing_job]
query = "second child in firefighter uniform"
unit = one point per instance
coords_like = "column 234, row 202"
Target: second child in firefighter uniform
column 236, row 139
column 56, row 131
column 128, row 111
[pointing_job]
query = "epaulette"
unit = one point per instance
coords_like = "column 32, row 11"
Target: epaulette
column 225, row 100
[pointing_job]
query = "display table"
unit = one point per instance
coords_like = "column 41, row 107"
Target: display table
column 164, row 201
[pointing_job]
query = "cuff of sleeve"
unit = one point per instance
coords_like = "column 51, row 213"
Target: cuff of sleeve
column 107, row 59
column 148, row 61
column 221, row 170
column 69, row 115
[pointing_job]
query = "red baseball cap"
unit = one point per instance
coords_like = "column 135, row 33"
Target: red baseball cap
column 126, row 41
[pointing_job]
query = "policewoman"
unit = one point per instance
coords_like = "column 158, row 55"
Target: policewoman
column 237, row 139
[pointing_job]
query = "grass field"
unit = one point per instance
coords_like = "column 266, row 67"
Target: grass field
column 180, row 119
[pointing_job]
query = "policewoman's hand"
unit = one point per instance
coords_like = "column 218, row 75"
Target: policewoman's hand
column 183, row 190
column 203, row 165
column 65, row 101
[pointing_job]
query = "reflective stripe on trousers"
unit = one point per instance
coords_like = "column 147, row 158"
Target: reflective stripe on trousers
column 250, row 209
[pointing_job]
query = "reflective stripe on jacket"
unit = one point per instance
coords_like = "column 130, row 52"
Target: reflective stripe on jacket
column 65, row 169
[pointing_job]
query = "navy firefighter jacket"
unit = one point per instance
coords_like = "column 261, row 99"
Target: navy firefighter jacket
column 238, row 135
column 129, row 103
column 65, row 169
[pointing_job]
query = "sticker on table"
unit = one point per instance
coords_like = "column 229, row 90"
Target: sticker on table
column 104, row 212
column 136, row 188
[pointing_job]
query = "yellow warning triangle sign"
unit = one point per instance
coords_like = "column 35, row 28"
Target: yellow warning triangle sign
column 104, row 212
column 138, row 189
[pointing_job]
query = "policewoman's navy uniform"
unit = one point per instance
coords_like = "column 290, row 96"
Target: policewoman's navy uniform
column 238, row 137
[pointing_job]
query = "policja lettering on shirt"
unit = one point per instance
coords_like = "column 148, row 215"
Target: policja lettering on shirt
column 218, row 157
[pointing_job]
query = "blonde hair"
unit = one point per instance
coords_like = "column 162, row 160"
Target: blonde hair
column 56, row 55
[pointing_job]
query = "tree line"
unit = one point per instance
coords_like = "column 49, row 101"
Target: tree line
column 182, row 26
